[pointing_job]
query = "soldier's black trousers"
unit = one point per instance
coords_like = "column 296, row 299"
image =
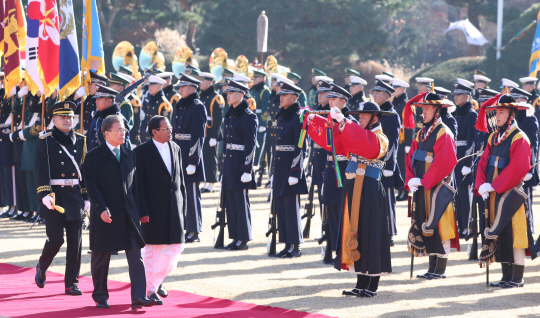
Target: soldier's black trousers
column 288, row 216
column 21, row 189
column 391, row 199
column 55, row 239
column 333, row 222
column 6, row 186
column 238, row 214
column 194, row 209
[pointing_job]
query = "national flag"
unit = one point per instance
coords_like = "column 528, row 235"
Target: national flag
column 474, row 36
column 534, row 62
column 32, row 67
column 92, row 47
column 70, row 80
column 12, row 63
column 21, row 34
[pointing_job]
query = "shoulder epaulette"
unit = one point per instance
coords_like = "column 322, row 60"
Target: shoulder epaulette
column 175, row 98
column 536, row 102
column 165, row 105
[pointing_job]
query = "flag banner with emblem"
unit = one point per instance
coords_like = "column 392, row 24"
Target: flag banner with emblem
column 32, row 67
column 92, row 48
column 534, row 62
column 12, row 62
column 2, row 29
column 21, row 34
column 70, row 80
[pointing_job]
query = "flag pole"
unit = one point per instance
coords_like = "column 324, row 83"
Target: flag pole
column 81, row 117
column 23, row 111
column 43, row 112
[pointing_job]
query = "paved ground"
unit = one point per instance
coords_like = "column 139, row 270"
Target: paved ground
column 305, row 283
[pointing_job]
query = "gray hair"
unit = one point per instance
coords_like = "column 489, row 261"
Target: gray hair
column 109, row 121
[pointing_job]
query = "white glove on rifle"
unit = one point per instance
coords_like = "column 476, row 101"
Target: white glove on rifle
column 86, row 205
column 388, row 173
column 22, row 92
column 191, row 169
column 414, row 184
column 293, row 181
column 262, row 129
column 212, row 142
column 465, row 170
column 246, row 177
column 48, row 202
column 528, row 177
column 336, row 114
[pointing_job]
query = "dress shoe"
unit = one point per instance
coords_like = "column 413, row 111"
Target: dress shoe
column 41, row 277
column 283, row 251
column 231, row 245
column 162, row 291
column 293, row 251
column 206, row 190
column 30, row 218
column 156, row 297
column 15, row 215
column 353, row 292
column 21, row 216
column 102, row 304
column 34, row 218
column 193, row 237
column 142, row 302
column 240, row 246
column 74, row 291
column 41, row 220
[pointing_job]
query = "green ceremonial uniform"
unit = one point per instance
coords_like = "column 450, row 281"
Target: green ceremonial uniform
column 302, row 100
column 261, row 94
column 312, row 94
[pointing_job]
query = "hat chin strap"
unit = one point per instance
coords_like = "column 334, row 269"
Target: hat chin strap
column 369, row 125
column 432, row 121
column 508, row 122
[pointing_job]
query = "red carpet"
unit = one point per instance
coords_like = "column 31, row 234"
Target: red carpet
column 20, row 297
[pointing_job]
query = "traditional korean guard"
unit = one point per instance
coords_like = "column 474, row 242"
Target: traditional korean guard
column 289, row 180
column 189, row 124
column 430, row 161
column 501, row 169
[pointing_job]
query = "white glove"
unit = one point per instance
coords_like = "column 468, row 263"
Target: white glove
column 246, row 177
column 13, row 91
column 485, row 195
column 40, row 92
column 6, row 131
column 212, row 142
column 407, row 148
column 336, row 114
column 293, row 181
column 485, row 188
column 47, row 201
column 388, row 173
column 80, row 92
column 528, row 177
column 86, row 205
column 191, row 169
column 11, row 137
column 262, row 129
column 414, row 183
column 350, row 175
column 311, row 116
column 465, row 170
column 22, row 92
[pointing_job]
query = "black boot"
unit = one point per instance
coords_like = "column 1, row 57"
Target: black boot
column 192, row 237
column 361, row 284
column 440, row 268
column 293, row 251
column 431, row 268
column 507, row 274
column 240, row 246
column 231, row 245
column 284, row 251
column 517, row 279
column 371, row 290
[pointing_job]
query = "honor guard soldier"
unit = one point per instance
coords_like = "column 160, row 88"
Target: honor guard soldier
column 289, row 180
column 348, row 73
column 356, row 88
column 446, row 112
column 60, row 186
column 190, row 69
column 214, row 104
column 239, row 144
column 384, row 78
column 133, row 100
column 6, row 149
column 390, row 125
column 155, row 103
column 430, row 161
column 312, row 92
column 226, row 76
column 528, row 84
column 118, row 83
column 399, row 99
column 466, row 119
column 261, row 93
column 501, row 169
column 423, row 84
column 105, row 106
column 245, row 80
column 170, row 93
column 363, row 246
column 189, row 125
column 88, row 106
column 480, row 82
column 295, row 78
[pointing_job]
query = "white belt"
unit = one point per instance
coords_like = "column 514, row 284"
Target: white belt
column 182, row 136
column 64, row 182
column 461, row 143
column 338, row 157
column 235, row 147
column 208, row 118
column 285, row 148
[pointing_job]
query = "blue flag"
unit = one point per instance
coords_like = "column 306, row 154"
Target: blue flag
column 70, row 79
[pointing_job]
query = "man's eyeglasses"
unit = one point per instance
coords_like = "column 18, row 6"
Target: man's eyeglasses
column 120, row 130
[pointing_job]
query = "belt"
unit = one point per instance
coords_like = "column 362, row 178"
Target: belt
column 461, row 143
column 285, row 148
column 338, row 157
column 498, row 162
column 372, row 163
column 423, row 155
column 64, row 182
column 182, row 136
column 208, row 118
column 235, row 147
column 369, row 171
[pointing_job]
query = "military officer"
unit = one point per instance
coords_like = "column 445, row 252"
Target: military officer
column 88, row 106
column 155, row 103
column 214, row 110
column 399, row 99
column 390, row 124
column 239, row 145
column 312, row 92
column 348, row 73
column 289, row 180
column 528, row 84
column 119, row 83
column 191, row 69
column 60, row 185
column 170, row 93
column 295, row 78
column 6, row 149
column 480, row 82
column 189, row 124
column 423, row 85
column 261, row 93
column 446, row 112
column 356, row 88
column 384, row 78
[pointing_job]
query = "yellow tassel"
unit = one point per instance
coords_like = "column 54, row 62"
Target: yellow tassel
column 56, row 207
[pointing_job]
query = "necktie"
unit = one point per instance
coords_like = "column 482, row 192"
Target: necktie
column 117, row 152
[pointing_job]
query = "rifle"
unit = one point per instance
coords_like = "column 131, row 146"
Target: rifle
column 327, row 257
column 413, row 209
column 272, row 226
column 260, row 171
column 308, row 209
column 122, row 95
column 220, row 221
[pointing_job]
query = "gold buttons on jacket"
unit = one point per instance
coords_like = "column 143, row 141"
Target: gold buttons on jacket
column 63, row 175
column 62, row 163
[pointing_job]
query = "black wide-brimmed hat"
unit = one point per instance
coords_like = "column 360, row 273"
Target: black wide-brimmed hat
column 369, row 107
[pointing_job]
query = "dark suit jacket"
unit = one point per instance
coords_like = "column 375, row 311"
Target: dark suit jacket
column 162, row 196
column 112, row 185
